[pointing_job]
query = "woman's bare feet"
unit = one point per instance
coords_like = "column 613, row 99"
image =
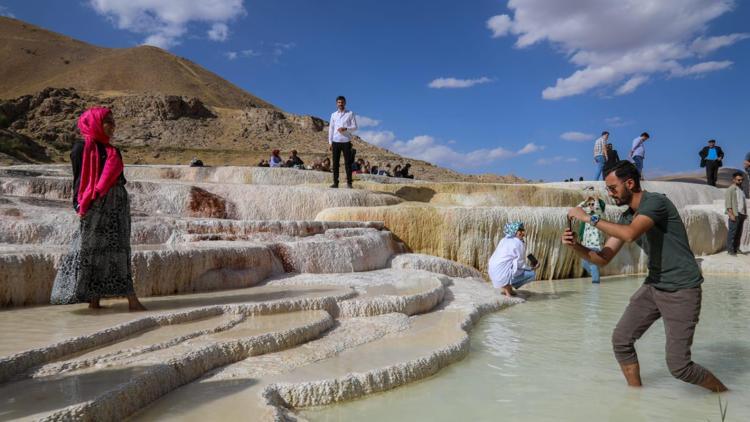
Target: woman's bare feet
column 508, row 291
column 94, row 304
column 134, row 304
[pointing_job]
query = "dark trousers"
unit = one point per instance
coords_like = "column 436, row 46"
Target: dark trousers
column 712, row 172
column 734, row 235
column 337, row 148
column 680, row 311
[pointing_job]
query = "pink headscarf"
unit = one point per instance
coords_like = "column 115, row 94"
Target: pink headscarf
column 92, row 185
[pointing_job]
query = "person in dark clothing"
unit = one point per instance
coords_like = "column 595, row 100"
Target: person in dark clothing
column 397, row 171
column 612, row 157
column 711, row 159
column 405, row 171
column 195, row 162
column 295, row 161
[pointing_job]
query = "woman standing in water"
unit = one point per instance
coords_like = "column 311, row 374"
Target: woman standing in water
column 98, row 264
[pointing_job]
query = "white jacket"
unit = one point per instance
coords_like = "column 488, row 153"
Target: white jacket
column 507, row 261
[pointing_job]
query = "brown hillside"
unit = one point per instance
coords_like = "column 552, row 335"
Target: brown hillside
column 168, row 109
column 34, row 58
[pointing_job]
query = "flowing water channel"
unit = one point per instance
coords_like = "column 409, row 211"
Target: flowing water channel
column 550, row 359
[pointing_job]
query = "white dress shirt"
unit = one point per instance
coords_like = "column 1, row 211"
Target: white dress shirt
column 341, row 119
column 638, row 149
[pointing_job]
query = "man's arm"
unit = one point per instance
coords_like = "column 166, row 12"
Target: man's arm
column 611, row 247
column 625, row 232
column 353, row 126
column 330, row 131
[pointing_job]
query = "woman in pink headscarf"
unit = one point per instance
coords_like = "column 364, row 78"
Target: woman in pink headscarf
column 98, row 264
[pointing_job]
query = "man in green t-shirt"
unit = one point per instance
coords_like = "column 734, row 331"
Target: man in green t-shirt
column 672, row 289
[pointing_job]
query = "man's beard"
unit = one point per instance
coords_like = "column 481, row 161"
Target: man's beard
column 625, row 198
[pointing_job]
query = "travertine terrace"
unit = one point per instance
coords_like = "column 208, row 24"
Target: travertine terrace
column 267, row 284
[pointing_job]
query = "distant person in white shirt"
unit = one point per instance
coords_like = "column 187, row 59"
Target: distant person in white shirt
column 340, row 134
column 638, row 152
column 600, row 155
column 507, row 266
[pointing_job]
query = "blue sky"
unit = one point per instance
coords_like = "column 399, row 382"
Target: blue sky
column 490, row 86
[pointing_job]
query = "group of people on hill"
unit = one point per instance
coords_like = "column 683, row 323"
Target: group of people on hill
column 276, row 161
column 606, row 156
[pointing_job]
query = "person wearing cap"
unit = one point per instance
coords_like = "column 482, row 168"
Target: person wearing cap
column 507, row 265
column 711, row 158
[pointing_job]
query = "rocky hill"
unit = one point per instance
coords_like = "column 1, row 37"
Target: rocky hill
column 167, row 108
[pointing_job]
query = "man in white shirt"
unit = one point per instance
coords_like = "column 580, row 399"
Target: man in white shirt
column 638, row 152
column 340, row 135
column 600, row 155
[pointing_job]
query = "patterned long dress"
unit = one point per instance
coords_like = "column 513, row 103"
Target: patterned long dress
column 98, row 264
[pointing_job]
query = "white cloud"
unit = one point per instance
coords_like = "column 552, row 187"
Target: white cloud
column 376, row 137
column 499, row 25
column 164, row 22
column 704, row 46
column 529, row 148
column 364, row 121
column 4, row 11
column 616, row 121
column 232, row 55
column 218, row 32
column 280, row 48
column 427, row 148
column 617, row 42
column 457, row 83
column 631, row 85
column 577, row 136
column 701, row 68
column 556, row 159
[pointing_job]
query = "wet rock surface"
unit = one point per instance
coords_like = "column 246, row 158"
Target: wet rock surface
column 256, row 307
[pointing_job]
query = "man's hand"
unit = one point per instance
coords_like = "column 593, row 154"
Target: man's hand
column 732, row 217
column 330, row 147
column 579, row 214
column 341, row 129
column 568, row 238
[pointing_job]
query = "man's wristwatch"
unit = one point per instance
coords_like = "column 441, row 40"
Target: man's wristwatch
column 594, row 220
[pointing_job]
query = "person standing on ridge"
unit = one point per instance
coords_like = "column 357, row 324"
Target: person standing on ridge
column 638, row 152
column 711, row 159
column 612, row 158
column 735, row 204
column 600, row 155
column 672, row 288
column 340, row 129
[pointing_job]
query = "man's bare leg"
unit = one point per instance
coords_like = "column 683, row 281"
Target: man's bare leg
column 632, row 372
column 710, row 382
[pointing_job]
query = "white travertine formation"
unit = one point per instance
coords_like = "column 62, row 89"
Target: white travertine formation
column 434, row 264
column 470, row 235
column 324, row 311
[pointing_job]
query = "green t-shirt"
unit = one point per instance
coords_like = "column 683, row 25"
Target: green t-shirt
column 671, row 263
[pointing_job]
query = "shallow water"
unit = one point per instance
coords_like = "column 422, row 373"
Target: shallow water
column 550, row 359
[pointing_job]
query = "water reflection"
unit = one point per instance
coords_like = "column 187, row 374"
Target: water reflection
column 551, row 359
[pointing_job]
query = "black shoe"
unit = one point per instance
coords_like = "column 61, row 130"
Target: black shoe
column 334, row 186
column 349, row 185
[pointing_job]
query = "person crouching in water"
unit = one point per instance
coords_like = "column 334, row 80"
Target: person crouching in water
column 507, row 265
column 590, row 236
